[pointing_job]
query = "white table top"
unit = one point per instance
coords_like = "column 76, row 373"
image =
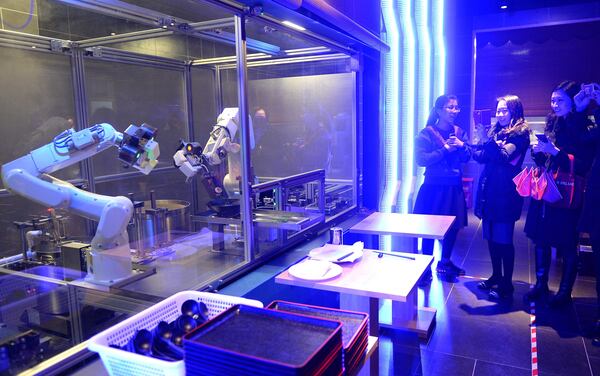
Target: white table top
column 416, row 225
column 388, row 277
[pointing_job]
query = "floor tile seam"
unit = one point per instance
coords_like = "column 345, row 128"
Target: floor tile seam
column 492, row 321
column 587, row 355
column 471, row 243
column 504, row 365
column 463, row 260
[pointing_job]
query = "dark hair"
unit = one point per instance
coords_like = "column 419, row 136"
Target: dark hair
column 440, row 102
column 517, row 118
column 571, row 88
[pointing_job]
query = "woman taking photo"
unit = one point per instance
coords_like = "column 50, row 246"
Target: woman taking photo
column 498, row 204
column 548, row 225
column 440, row 149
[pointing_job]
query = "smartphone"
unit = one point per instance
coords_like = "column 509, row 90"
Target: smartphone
column 589, row 89
column 541, row 137
column 483, row 117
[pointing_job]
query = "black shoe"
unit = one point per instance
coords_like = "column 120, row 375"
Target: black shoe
column 488, row 283
column 448, row 267
column 561, row 299
column 596, row 341
column 538, row 291
column 502, row 292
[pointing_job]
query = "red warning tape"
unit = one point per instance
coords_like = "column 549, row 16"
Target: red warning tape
column 533, row 330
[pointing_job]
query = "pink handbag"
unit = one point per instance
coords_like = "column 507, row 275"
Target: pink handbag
column 523, row 182
column 551, row 193
column 543, row 186
column 538, row 183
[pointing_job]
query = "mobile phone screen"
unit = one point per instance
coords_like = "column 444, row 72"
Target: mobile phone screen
column 542, row 137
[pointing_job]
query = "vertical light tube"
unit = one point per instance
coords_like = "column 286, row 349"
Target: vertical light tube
column 439, row 47
column 391, row 67
column 408, row 95
column 424, row 74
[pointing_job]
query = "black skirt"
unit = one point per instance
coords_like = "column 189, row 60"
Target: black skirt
column 442, row 200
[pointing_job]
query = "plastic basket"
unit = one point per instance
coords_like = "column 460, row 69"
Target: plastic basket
column 120, row 362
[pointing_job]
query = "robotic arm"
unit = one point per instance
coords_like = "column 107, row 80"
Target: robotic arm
column 27, row 176
column 191, row 159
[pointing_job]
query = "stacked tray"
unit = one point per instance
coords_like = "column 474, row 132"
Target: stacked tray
column 355, row 329
column 246, row 340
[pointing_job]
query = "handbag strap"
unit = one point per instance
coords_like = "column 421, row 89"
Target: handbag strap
column 438, row 137
column 571, row 167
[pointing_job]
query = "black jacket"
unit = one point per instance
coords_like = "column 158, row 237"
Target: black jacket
column 497, row 198
column 441, row 166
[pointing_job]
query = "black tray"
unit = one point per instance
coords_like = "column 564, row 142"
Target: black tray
column 353, row 323
column 267, row 339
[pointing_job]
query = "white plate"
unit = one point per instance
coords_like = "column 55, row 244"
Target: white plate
column 315, row 270
column 337, row 253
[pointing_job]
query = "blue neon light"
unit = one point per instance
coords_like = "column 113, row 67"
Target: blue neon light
column 439, row 61
column 424, row 72
column 390, row 123
column 407, row 98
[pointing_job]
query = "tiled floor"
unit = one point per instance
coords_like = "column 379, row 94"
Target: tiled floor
column 473, row 335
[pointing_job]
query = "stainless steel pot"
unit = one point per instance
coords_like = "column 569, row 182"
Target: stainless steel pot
column 159, row 222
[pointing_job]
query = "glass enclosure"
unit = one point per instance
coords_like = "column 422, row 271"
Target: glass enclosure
column 174, row 66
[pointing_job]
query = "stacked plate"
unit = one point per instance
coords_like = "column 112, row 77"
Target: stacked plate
column 246, row 340
column 355, row 329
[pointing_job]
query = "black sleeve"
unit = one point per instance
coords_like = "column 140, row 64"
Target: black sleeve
column 426, row 152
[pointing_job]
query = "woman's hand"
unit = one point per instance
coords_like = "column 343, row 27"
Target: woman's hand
column 545, row 147
column 455, row 141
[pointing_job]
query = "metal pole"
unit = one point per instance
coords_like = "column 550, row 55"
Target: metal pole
column 81, row 117
column 246, row 183
column 187, row 77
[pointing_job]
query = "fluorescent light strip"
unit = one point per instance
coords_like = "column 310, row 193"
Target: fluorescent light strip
column 407, row 98
column 439, row 61
column 424, row 74
column 293, row 25
column 390, row 125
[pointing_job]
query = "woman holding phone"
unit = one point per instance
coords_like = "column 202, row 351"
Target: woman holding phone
column 498, row 204
column 547, row 225
column 440, row 149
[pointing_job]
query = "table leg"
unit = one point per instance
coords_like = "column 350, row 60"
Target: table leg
column 407, row 316
column 363, row 304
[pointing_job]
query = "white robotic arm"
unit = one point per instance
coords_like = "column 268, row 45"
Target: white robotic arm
column 27, row 177
column 190, row 159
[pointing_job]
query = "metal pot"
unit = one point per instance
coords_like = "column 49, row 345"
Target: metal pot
column 159, row 222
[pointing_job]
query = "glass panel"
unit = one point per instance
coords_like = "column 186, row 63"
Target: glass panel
column 120, row 30
column 35, row 316
column 36, row 103
column 123, row 94
column 304, row 122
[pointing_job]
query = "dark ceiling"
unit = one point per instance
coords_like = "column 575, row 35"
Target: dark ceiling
column 493, row 6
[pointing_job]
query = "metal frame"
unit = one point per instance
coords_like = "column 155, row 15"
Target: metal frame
column 95, row 50
column 246, row 183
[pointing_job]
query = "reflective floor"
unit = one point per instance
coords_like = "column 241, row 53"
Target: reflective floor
column 473, row 335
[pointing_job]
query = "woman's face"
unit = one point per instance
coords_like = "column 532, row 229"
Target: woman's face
column 503, row 114
column 561, row 103
column 449, row 112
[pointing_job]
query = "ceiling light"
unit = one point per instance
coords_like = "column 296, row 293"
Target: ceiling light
column 293, row 25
